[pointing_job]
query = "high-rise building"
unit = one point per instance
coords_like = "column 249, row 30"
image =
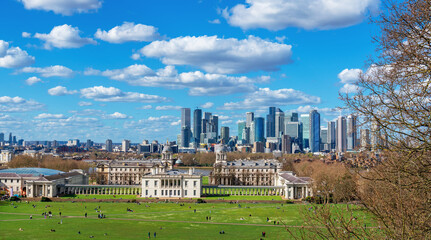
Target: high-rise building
column 89, row 143
column 375, row 136
column 246, row 135
column 14, row 140
column 331, row 135
column 351, row 132
column 294, row 117
column 314, row 131
column 259, row 129
column 185, row 136
column 10, row 139
column 214, row 125
column 252, row 131
column 185, row 124
column 279, row 124
column 286, row 144
column 1, row 137
column 241, row 128
column 293, row 129
column 270, row 123
column 305, row 120
column 109, row 145
column 249, row 118
column 324, row 139
column 197, row 125
column 341, row 140
column 224, row 131
column 125, row 145
column 365, row 139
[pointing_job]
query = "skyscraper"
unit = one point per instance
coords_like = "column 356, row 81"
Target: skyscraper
column 241, row 128
column 365, row 139
column 305, row 120
column 214, row 125
column 185, row 126
column 224, row 134
column 259, row 132
column 286, row 144
column 125, row 145
column 109, row 145
column 1, row 137
column 252, row 131
column 270, row 123
column 324, row 139
column 341, row 140
column 185, row 136
column 351, row 132
column 331, row 135
column 10, row 139
column 197, row 125
column 279, row 124
column 249, row 118
column 314, row 131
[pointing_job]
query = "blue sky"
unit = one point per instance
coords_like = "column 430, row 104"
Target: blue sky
column 93, row 69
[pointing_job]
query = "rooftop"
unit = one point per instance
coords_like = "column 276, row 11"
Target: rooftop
column 32, row 171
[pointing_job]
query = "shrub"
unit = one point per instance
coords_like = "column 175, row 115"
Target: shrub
column 14, row 198
column 200, row 200
column 45, row 199
column 289, row 201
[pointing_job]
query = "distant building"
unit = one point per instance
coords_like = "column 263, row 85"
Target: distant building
column 314, row 131
column 259, row 129
column 341, row 140
column 197, row 125
column 125, row 145
column 109, row 145
column 5, row 156
column 73, row 143
column 305, row 120
column 286, row 144
column 225, row 134
column 351, row 132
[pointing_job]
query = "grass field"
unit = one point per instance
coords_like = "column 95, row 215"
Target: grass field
column 169, row 220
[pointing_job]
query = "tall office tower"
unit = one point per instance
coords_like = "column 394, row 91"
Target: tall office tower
column 365, row 139
column 197, row 125
column 294, row 130
column 249, row 118
column 324, row 139
column 351, row 132
column 185, row 136
column 10, row 139
column 314, row 131
column 279, row 124
column 1, row 137
column 185, row 124
column 125, row 145
column 341, row 140
column 246, row 135
column 286, row 144
column 224, row 131
column 214, row 125
column 375, row 136
column 109, row 145
column 259, row 129
column 294, row 117
column 252, row 137
column 14, row 140
column 305, row 120
column 89, row 143
column 241, row 127
column 331, row 135
column 54, row 143
column 270, row 123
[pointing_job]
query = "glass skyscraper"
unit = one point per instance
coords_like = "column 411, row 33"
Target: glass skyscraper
column 314, row 131
column 241, row 127
column 259, row 132
column 305, row 120
column 270, row 123
column 197, row 125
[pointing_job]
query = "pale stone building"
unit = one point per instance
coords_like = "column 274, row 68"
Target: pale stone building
column 262, row 172
column 294, row 187
column 5, row 156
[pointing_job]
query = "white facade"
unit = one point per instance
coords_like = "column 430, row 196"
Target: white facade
column 294, row 187
column 171, row 184
column 5, row 156
column 125, row 145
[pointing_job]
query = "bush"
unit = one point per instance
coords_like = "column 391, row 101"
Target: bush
column 200, row 200
column 14, row 198
column 289, row 201
column 45, row 199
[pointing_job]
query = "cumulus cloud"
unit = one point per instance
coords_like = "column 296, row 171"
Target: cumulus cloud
column 60, row 91
column 111, row 94
column 215, row 21
column 153, row 124
column 207, row 105
column 265, row 97
column 49, row 116
column 128, row 32
column 219, row 55
column 63, row 7
column 198, row 83
column 168, row 107
column 117, row 115
column 26, row 34
column 32, row 80
column 145, row 107
column 18, row 104
column 51, row 71
column 348, row 77
column 64, row 36
column 13, row 57
column 82, row 104
column 308, row 14
column 308, row 108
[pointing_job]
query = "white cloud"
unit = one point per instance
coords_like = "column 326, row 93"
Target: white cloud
column 168, row 107
column 146, row 107
column 49, row 116
column 215, row 21
column 308, row 108
column 128, row 32
column 265, row 97
column 135, row 56
column 227, row 122
column 32, row 80
column 64, row 7
column 64, row 36
column 13, row 57
column 18, row 104
column 207, row 105
column 117, row 115
column 308, row 14
column 111, row 94
column 349, row 75
column 349, row 88
column 60, row 91
column 176, row 123
column 26, row 34
column 51, row 71
column 82, row 104
column 219, row 55
column 198, row 83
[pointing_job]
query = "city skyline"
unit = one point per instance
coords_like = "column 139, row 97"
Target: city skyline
column 121, row 71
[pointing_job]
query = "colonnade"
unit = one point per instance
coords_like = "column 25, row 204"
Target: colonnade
column 102, row 190
column 243, row 191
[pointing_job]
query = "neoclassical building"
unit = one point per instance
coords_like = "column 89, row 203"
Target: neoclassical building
column 262, row 172
column 130, row 172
